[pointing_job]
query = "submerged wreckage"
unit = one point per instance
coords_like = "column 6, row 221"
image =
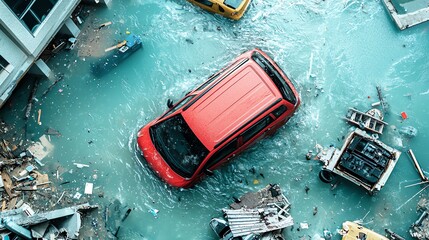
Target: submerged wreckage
column 363, row 160
column 121, row 51
column 420, row 228
column 260, row 215
column 57, row 224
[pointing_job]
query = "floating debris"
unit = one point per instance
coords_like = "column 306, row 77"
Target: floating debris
column 417, row 166
column 88, row 188
column 363, row 160
column 104, row 25
column 256, row 214
column 303, row 225
column 372, row 120
column 51, row 131
column 80, row 165
column 65, row 222
column 408, row 131
column 327, row 234
column 123, row 50
column 384, row 104
column 41, row 149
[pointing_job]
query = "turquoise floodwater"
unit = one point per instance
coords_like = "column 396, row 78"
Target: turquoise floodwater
column 351, row 46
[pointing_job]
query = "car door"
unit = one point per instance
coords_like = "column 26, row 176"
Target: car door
column 222, row 155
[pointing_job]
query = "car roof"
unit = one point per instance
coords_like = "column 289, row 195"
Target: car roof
column 231, row 103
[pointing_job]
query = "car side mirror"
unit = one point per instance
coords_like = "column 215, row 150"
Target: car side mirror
column 169, row 103
column 208, row 172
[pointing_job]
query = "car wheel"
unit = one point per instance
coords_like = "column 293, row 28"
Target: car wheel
column 326, row 176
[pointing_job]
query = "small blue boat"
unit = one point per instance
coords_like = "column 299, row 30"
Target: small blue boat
column 103, row 65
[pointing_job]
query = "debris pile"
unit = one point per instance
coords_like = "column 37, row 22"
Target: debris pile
column 20, row 176
column 29, row 198
column 420, row 228
column 62, row 223
column 25, row 188
column 255, row 215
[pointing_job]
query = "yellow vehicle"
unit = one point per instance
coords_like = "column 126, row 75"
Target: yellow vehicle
column 354, row 231
column 233, row 9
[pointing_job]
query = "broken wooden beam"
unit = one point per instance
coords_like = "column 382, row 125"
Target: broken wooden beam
column 116, row 46
column 384, row 104
column 7, row 184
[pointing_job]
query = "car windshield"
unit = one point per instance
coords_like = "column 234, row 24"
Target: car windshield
column 178, row 145
column 233, row 3
column 285, row 90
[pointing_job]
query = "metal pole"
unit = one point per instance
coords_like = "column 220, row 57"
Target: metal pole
column 417, row 165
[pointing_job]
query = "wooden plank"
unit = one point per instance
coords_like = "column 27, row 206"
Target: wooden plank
column 116, row 46
column 7, row 183
column 12, row 203
column 105, row 24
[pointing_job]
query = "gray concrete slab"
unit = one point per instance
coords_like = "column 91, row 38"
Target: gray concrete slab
column 404, row 21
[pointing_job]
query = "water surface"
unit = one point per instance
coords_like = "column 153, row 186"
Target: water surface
column 350, row 46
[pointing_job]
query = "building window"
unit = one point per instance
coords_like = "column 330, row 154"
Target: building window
column 3, row 64
column 31, row 12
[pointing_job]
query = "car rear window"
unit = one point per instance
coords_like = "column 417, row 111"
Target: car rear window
column 278, row 80
column 178, row 145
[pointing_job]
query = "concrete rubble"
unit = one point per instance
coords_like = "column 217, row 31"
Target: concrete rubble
column 62, row 223
column 260, row 215
column 406, row 20
column 21, row 182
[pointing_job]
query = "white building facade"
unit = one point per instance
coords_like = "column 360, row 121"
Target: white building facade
column 26, row 28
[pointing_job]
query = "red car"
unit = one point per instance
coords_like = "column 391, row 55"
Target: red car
column 238, row 105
